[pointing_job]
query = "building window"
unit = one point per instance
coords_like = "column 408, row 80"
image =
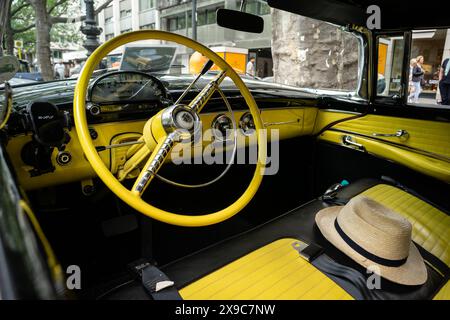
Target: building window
column 125, row 13
column 211, row 16
column 172, row 24
column 257, row 7
column 201, row 18
column 204, row 17
column 125, row 8
column 176, row 22
column 207, row 16
column 108, row 14
column 189, row 19
column 126, row 30
column 146, row 4
column 181, row 22
column 150, row 26
column 109, row 36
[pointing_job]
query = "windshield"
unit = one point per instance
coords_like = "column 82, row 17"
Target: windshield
column 292, row 51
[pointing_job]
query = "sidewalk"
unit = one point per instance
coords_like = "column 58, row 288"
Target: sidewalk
column 430, row 103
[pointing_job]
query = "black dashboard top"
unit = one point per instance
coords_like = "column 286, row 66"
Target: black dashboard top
column 131, row 95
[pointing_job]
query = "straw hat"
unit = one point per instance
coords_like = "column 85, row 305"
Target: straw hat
column 373, row 235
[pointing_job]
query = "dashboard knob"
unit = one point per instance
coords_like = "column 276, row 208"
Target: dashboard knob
column 94, row 109
column 246, row 124
column 93, row 133
column 63, row 158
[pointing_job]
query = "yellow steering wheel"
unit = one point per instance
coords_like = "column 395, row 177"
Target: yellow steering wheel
column 162, row 131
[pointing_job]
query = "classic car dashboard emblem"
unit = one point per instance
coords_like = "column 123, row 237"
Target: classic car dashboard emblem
column 184, row 120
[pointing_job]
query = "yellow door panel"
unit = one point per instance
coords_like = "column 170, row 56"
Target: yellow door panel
column 437, row 168
column 325, row 117
column 275, row 271
column 429, row 136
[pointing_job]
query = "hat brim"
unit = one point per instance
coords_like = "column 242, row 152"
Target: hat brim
column 412, row 273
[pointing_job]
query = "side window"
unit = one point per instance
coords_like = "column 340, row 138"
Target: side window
column 391, row 50
column 429, row 70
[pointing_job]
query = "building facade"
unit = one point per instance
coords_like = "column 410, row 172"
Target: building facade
column 176, row 16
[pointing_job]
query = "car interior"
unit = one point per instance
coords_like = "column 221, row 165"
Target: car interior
column 86, row 178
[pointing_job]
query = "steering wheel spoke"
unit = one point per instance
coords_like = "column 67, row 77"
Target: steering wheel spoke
column 203, row 97
column 154, row 163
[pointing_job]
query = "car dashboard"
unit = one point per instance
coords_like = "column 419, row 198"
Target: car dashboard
column 44, row 147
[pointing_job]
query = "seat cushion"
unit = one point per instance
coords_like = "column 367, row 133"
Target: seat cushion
column 431, row 227
column 275, row 271
column 444, row 293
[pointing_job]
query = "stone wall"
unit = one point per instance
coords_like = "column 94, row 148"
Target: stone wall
column 313, row 54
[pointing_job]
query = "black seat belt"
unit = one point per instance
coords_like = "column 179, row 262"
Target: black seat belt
column 156, row 283
column 437, row 263
column 349, row 279
column 354, row 281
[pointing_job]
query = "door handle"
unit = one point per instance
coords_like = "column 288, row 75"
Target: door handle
column 348, row 141
column 403, row 134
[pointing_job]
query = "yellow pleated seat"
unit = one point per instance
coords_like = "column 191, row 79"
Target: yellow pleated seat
column 444, row 293
column 431, row 227
column 275, row 271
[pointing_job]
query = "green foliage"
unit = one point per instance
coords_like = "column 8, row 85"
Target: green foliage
column 66, row 33
column 61, row 32
column 22, row 17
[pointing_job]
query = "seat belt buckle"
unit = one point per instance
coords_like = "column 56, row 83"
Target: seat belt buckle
column 309, row 252
column 155, row 282
column 137, row 267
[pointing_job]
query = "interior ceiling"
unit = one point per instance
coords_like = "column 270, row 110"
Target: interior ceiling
column 395, row 14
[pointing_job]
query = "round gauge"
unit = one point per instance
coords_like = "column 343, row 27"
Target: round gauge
column 123, row 87
column 246, row 124
column 222, row 127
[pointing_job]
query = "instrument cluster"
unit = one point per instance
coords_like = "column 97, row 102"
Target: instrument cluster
column 126, row 92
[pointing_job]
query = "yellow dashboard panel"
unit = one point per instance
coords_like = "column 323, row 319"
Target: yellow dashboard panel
column 79, row 168
column 289, row 122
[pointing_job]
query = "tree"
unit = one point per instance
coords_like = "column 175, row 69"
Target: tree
column 20, row 24
column 47, row 14
column 313, row 54
column 4, row 14
column 5, row 10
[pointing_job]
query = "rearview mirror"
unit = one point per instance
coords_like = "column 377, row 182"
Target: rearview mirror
column 240, row 21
